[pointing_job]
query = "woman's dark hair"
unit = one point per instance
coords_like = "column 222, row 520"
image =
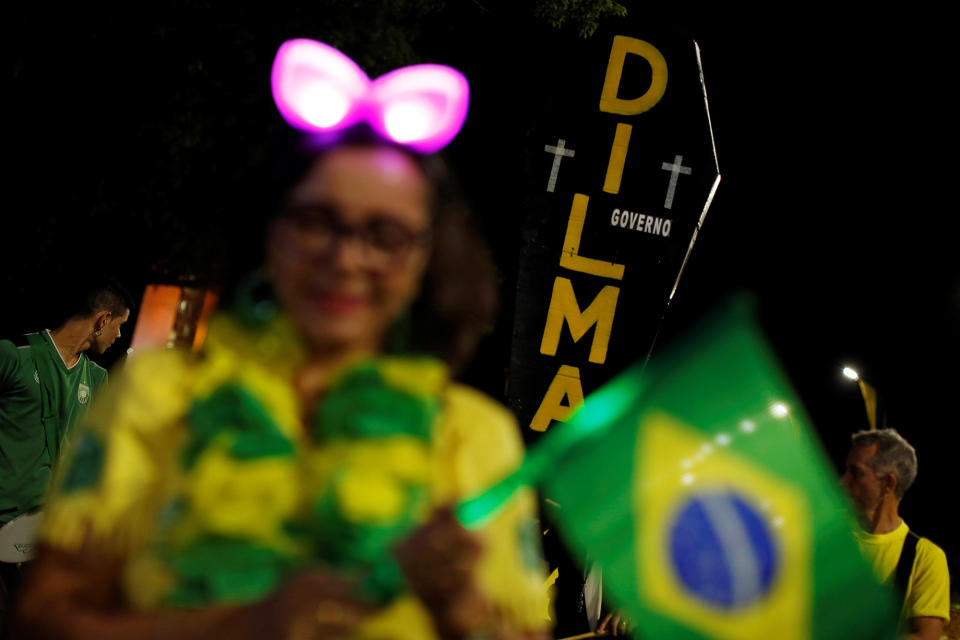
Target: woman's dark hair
column 459, row 299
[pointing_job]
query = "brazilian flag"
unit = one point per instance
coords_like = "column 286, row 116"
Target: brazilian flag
column 698, row 486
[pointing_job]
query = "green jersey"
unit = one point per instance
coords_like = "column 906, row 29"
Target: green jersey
column 40, row 400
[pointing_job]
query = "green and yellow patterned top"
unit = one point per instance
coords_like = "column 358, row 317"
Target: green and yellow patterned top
column 199, row 470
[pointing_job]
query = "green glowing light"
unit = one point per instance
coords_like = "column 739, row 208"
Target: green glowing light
column 595, row 417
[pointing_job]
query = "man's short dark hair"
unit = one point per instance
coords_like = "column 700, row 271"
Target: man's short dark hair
column 104, row 295
column 894, row 455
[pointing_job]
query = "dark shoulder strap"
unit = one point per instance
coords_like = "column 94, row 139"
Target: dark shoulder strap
column 901, row 575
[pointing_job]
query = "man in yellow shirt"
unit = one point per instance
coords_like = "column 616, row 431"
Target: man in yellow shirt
column 880, row 468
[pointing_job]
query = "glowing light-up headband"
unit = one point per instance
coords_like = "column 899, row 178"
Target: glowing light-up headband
column 319, row 89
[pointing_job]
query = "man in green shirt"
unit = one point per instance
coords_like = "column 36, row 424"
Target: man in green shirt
column 46, row 385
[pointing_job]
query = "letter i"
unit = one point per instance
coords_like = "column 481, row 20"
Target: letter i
column 618, row 156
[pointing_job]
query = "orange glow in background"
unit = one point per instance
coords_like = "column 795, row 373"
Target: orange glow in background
column 172, row 316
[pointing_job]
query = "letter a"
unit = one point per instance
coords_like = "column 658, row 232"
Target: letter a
column 622, row 45
column 563, row 306
column 566, row 384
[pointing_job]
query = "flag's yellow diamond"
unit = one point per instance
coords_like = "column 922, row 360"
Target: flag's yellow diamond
column 723, row 544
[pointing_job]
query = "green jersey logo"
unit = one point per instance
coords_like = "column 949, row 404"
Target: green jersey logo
column 83, row 393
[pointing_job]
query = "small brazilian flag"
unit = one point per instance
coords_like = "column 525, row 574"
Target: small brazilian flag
column 699, row 488
column 709, row 504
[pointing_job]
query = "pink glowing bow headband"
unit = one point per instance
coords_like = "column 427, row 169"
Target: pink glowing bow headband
column 318, row 89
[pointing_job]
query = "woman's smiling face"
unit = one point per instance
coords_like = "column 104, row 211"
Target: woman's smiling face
column 349, row 252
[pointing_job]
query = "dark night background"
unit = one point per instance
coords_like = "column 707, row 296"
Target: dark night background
column 137, row 143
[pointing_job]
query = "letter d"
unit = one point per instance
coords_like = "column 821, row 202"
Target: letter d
column 622, row 45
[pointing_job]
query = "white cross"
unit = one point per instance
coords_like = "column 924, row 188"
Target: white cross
column 675, row 170
column 559, row 152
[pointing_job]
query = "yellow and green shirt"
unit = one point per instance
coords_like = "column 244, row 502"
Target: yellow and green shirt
column 203, row 473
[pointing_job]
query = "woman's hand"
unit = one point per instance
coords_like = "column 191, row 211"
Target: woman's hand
column 73, row 596
column 310, row 606
column 614, row 625
column 440, row 561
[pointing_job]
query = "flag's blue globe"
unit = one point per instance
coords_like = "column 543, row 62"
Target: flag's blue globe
column 722, row 549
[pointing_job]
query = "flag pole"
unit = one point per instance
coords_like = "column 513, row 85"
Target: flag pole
column 870, row 401
column 871, row 398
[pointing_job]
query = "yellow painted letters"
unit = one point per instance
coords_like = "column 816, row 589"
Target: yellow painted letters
column 563, row 306
column 570, row 258
column 622, row 45
column 618, row 155
column 566, row 384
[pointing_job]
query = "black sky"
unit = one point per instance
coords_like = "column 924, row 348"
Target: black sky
column 837, row 147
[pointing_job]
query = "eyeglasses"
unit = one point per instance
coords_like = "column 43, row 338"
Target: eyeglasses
column 381, row 241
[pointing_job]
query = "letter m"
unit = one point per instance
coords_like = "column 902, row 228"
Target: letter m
column 563, row 306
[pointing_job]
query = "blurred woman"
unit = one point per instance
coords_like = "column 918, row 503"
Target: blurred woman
column 293, row 479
